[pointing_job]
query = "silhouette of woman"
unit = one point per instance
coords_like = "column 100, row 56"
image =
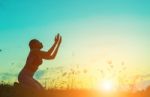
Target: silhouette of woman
column 34, row 60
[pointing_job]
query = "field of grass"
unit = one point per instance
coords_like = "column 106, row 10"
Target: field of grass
column 7, row 90
column 65, row 85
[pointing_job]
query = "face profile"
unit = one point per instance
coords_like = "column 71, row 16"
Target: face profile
column 35, row 44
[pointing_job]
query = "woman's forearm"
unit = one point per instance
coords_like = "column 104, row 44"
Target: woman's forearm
column 52, row 48
column 55, row 51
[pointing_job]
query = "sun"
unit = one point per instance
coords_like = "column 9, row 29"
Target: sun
column 106, row 85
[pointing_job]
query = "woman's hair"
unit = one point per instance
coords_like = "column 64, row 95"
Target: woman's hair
column 34, row 43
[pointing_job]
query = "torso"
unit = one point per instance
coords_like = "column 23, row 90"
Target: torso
column 32, row 63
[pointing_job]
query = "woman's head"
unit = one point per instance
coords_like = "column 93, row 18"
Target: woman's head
column 35, row 44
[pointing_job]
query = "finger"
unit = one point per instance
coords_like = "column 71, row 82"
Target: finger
column 57, row 36
column 60, row 39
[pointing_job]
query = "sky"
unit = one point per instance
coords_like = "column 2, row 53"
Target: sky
column 94, row 33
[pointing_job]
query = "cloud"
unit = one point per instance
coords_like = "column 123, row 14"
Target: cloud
column 39, row 74
column 7, row 76
column 143, row 84
column 145, row 76
column 13, row 76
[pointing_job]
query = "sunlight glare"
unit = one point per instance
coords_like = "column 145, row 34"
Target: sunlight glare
column 107, row 85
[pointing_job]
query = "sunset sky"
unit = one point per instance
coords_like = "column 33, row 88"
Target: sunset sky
column 95, row 33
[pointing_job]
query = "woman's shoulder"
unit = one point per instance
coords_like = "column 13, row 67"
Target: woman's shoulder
column 34, row 51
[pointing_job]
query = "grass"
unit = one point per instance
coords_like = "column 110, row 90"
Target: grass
column 7, row 90
column 68, row 83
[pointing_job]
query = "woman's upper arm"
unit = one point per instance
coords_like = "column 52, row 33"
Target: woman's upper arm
column 43, row 54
